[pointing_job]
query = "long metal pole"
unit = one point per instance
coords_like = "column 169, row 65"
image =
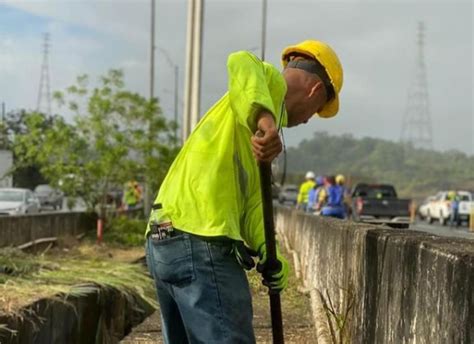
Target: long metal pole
column 188, row 74
column 264, row 27
column 269, row 226
column 272, row 262
column 176, row 79
column 152, row 50
column 147, row 200
column 196, row 64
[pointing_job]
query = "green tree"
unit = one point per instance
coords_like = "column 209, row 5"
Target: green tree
column 25, row 174
column 116, row 136
column 415, row 172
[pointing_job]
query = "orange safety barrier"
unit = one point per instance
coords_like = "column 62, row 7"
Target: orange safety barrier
column 471, row 220
column 412, row 211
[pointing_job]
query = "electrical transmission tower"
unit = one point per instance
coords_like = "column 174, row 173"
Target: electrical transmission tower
column 44, row 92
column 416, row 127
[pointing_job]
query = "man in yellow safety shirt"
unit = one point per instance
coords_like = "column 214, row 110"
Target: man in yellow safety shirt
column 209, row 204
column 130, row 198
column 305, row 188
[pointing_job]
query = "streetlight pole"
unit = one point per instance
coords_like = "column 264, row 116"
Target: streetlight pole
column 176, row 93
column 152, row 50
column 264, row 27
column 147, row 198
column 176, row 78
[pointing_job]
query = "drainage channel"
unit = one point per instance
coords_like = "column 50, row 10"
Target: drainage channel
column 100, row 315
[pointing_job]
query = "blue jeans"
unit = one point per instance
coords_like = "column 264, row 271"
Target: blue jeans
column 336, row 211
column 203, row 292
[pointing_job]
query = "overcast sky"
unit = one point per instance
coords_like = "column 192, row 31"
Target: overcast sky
column 375, row 40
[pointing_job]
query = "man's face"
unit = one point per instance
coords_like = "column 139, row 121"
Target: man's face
column 299, row 115
column 304, row 98
column 301, row 108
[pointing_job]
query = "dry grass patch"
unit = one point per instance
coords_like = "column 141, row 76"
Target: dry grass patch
column 76, row 270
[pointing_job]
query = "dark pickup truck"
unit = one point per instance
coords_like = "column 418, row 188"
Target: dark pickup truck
column 379, row 204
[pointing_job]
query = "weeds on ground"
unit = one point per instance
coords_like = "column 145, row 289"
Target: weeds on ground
column 338, row 317
column 295, row 305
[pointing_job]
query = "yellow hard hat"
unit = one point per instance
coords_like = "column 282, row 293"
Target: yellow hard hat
column 328, row 59
column 340, row 179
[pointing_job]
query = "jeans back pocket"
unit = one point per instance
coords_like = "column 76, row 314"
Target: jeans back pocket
column 172, row 259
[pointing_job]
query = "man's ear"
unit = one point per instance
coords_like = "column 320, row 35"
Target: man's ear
column 317, row 87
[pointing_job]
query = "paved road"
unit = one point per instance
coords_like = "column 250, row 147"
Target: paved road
column 447, row 231
column 436, row 229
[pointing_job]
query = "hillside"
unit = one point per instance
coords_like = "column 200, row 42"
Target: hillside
column 415, row 172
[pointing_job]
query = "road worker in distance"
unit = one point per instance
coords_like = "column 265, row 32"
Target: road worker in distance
column 333, row 205
column 209, row 207
column 313, row 196
column 305, row 188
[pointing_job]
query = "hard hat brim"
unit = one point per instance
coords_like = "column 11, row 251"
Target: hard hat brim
column 330, row 109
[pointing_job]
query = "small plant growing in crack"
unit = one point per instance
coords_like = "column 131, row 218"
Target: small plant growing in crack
column 338, row 317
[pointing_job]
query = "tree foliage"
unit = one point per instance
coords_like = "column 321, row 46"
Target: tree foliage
column 25, row 174
column 415, row 172
column 115, row 136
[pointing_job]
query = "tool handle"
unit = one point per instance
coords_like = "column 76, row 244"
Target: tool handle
column 270, row 244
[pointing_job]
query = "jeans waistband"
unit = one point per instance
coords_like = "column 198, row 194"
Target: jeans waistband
column 221, row 239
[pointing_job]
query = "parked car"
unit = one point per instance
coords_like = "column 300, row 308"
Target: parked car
column 379, row 204
column 439, row 209
column 49, row 197
column 423, row 208
column 17, row 201
column 466, row 207
column 288, row 193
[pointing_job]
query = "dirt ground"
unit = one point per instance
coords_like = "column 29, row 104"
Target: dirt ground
column 296, row 310
column 297, row 318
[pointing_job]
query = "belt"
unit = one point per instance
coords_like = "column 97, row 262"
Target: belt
column 220, row 239
column 213, row 239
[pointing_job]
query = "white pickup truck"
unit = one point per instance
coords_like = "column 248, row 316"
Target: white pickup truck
column 439, row 207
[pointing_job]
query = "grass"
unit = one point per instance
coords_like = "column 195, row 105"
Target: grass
column 26, row 278
column 295, row 305
column 124, row 231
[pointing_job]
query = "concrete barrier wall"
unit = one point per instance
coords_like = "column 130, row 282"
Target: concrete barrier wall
column 389, row 286
column 17, row 230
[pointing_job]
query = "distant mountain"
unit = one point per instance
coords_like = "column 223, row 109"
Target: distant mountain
column 415, row 172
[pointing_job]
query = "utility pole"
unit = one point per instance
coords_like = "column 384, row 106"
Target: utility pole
column 192, row 91
column 416, row 127
column 176, row 79
column 264, row 27
column 187, row 73
column 44, row 91
column 175, row 68
column 147, row 198
column 152, row 50
column 196, row 69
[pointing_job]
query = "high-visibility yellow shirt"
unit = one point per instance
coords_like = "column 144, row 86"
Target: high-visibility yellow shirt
column 130, row 197
column 213, row 186
column 303, row 194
